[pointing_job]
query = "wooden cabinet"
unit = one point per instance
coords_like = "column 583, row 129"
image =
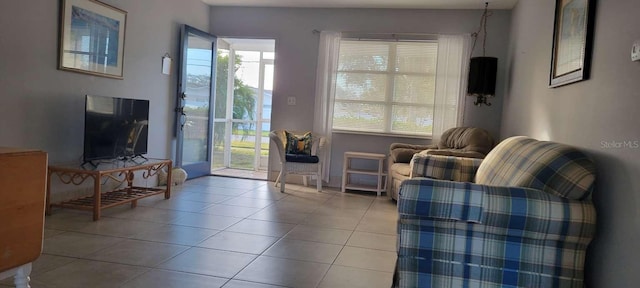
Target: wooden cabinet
column 23, row 176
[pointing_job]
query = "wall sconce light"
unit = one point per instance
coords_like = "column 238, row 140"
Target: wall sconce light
column 482, row 70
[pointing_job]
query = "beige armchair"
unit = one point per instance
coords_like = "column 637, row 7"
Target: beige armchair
column 299, row 164
column 469, row 142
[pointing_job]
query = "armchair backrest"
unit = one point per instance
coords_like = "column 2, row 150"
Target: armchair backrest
column 551, row 167
column 466, row 139
column 280, row 139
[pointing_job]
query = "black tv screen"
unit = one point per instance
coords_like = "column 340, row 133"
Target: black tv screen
column 115, row 127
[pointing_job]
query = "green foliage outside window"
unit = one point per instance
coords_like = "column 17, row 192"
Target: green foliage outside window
column 244, row 101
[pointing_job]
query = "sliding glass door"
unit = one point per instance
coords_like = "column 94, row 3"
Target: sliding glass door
column 243, row 104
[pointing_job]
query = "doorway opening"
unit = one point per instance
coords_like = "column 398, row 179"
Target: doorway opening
column 242, row 115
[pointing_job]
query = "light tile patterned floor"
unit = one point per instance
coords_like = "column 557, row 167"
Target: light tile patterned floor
column 224, row 232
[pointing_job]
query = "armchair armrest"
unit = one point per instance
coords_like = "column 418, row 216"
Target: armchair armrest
column 510, row 211
column 275, row 138
column 444, row 167
column 319, row 144
column 402, row 152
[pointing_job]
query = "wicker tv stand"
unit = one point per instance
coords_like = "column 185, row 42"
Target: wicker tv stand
column 119, row 171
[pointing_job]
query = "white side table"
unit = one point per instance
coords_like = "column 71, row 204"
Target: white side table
column 347, row 170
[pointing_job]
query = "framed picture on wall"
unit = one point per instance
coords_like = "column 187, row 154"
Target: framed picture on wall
column 92, row 38
column 572, row 41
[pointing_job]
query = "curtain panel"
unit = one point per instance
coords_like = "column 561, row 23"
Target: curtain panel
column 451, row 82
column 328, row 53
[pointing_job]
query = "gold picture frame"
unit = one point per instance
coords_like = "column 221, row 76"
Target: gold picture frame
column 572, row 41
column 92, row 37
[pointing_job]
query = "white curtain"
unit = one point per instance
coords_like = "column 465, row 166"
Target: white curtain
column 451, row 82
column 325, row 86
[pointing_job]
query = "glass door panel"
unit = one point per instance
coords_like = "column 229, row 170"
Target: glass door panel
column 243, row 103
column 265, row 116
column 222, row 125
column 195, row 91
column 263, row 163
column 243, row 146
column 219, row 129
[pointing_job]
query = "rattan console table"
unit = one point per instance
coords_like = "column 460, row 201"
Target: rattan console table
column 120, row 171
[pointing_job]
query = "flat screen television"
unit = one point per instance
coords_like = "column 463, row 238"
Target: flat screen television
column 115, row 128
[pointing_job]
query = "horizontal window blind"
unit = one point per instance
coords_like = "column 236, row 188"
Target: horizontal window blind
column 385, row 87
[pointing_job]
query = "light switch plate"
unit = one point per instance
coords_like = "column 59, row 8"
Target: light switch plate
column 635, row 51
column 291, row 101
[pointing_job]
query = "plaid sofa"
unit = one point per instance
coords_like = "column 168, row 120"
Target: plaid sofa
column 525, row 221
column 468, row 142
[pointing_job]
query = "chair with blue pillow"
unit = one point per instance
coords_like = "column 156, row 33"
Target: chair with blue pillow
column 300, row 154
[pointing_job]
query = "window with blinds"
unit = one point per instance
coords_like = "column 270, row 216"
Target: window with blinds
column 385, row 87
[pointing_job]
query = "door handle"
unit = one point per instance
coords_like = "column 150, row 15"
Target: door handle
column 182, row 117
column 183, row 120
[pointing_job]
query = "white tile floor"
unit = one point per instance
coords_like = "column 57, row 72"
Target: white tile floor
column 224, row 232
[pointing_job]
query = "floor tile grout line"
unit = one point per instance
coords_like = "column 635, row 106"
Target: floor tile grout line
column 257, row 256
column 361, row 268
column 342, row 249
column 353, row 232
column 283, row 237
column 84, row 257
column 176, row 271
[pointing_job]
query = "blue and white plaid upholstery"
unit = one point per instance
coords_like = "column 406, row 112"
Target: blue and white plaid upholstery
column 461, row 234
column 444, row 167
column 551, row 167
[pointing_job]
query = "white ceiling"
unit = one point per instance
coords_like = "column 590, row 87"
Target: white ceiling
column 394, row 4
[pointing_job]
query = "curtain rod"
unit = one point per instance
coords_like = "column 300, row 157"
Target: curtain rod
column 384, row 35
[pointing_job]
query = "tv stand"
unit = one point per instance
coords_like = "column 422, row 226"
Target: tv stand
column 135, row 159
column 94, row 165
column 76, row 175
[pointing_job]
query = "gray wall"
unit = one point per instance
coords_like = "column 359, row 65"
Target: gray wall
column 297, row 52
column 42, row 107
column 591, row 115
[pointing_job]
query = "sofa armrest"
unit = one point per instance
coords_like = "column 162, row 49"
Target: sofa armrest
column 510, row 211
column 412, row 146
column 454, row 152
column 402, row 152
column 444, row 167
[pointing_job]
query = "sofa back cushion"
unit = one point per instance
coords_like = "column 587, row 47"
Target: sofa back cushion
column 471, row 139
column 551, row 167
